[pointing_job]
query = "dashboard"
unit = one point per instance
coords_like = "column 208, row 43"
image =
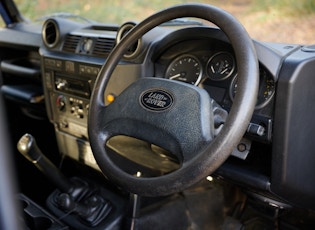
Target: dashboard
column 72, row 65
column 158, row 112
column 63, row 59
column 72, row 55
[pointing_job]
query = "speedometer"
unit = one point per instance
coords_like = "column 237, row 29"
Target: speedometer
column 186, row 68
column 266, row 88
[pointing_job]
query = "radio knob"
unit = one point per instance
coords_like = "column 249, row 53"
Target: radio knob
column 61, row 102
column 61, row 84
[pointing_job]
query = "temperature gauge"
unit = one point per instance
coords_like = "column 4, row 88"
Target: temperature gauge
column 220, row 66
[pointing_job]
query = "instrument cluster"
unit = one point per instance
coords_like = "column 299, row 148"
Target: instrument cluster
column 216, row 72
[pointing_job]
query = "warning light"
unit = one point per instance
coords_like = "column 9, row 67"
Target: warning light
column 110, row 98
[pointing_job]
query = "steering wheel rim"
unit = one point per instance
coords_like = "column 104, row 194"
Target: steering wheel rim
column 218, row 150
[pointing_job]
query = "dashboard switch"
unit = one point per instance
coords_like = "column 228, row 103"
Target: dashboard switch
column 256, row 129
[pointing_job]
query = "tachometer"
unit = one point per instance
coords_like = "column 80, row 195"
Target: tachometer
column 186, row 68
column 266, row 88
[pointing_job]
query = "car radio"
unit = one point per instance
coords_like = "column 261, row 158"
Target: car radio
column 72, row 86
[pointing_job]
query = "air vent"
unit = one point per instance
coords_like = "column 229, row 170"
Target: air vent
column 103, row 46
column 71, row 43
column 123, row 30
column 50, row 33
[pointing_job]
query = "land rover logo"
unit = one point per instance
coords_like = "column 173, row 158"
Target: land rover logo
column 156, row 100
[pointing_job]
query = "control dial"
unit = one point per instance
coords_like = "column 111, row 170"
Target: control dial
column 61, row 102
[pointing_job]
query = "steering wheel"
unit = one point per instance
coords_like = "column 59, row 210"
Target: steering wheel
column 174, row 115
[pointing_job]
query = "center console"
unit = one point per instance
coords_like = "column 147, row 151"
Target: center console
column 68, row 85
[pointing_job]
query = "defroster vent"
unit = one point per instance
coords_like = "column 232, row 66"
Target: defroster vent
column 103, row 46
column 71, row 43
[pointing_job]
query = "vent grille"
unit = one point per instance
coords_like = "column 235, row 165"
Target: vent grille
column 103, row 46
column 71, row 43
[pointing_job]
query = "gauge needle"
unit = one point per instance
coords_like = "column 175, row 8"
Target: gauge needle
column 175, row 76
column 222, row 72
column 212, row 69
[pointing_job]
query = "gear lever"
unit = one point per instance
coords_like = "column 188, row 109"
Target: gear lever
column 75, row 195
column 28, row 148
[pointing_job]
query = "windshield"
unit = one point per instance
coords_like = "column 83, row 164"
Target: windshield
column 284, row 21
